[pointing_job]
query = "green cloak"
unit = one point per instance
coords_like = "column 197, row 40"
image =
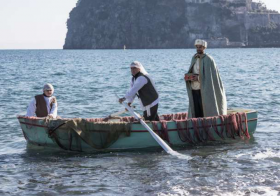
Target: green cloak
column 213, row 95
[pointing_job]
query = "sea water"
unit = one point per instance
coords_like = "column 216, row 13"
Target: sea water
column 86, row 82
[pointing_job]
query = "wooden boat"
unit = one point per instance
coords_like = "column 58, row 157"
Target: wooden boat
column 125, row 133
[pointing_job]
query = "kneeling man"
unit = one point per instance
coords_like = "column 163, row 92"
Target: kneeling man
column 43, row 105
column 143, row 87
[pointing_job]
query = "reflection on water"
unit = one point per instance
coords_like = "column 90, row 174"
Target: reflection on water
column 85, row 82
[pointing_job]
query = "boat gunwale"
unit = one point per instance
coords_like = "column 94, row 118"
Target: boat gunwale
column 136, row 122
column 169, row 130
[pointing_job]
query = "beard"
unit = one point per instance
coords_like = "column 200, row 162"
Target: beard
column 46, row 95
column 199, row 51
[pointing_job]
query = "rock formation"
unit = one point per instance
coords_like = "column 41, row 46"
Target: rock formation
column 113, row 24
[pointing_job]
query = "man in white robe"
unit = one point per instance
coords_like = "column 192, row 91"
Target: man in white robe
column 143, row 87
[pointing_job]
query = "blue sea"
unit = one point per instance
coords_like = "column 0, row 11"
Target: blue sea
column 86, row 82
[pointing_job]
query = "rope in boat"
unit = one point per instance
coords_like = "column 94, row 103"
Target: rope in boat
column 163, row 132
column 230, row 126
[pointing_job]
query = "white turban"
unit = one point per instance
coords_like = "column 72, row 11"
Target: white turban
column 200, row 42
column 48, row 87
column 138, row 65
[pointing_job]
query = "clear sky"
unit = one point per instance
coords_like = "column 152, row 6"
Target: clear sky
column 41, row 24
column 34, row 24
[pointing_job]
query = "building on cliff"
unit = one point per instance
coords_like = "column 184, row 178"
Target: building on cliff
column 95, row 24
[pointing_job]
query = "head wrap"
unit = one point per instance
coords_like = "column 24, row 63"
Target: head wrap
column 48, row 87
column 138, row 65
column 200, row 42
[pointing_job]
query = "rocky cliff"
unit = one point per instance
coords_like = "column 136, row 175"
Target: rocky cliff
column 111, row 24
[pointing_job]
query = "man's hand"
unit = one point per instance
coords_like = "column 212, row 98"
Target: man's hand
column 129, row 104
column 195, row 78
column 122, row 100
column 50, row 116
column 190, row 77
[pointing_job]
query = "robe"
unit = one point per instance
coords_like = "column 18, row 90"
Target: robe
column 213, row 94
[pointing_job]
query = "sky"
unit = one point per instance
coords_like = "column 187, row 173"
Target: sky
column 41, row 24
column 34, row 24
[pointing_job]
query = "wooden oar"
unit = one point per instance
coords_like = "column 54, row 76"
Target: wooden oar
column 116, row 114
column 154, row 135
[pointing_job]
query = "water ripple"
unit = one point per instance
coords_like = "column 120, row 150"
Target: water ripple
column 85, row 82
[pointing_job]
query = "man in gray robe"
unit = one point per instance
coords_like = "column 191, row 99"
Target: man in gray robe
column 206, row 92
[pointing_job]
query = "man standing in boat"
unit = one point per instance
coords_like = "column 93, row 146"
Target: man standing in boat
column 206, row 92
column 43, row 105
column 144, row 88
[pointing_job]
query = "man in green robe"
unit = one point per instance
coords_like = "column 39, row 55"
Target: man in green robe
column 206, row 92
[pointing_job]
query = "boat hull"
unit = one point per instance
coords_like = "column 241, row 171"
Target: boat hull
column 36, row 132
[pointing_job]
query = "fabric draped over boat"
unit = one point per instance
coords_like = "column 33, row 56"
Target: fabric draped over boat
column 94, row 132
column 197, row 130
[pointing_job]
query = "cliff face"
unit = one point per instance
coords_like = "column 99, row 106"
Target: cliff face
column 111, row 24
column 265, row 36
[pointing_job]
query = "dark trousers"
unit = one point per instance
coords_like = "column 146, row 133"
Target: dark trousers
column 198, row 109
column 154, row 115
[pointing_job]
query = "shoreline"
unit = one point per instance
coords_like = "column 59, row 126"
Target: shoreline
column 209, row 48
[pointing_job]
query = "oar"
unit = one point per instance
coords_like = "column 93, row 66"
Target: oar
column 118, row 113
column 155, row 136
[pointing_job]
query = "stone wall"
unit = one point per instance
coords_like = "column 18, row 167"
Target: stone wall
column 261, row 19
column 218, row 43
column 264, row 36
column 275, row 18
